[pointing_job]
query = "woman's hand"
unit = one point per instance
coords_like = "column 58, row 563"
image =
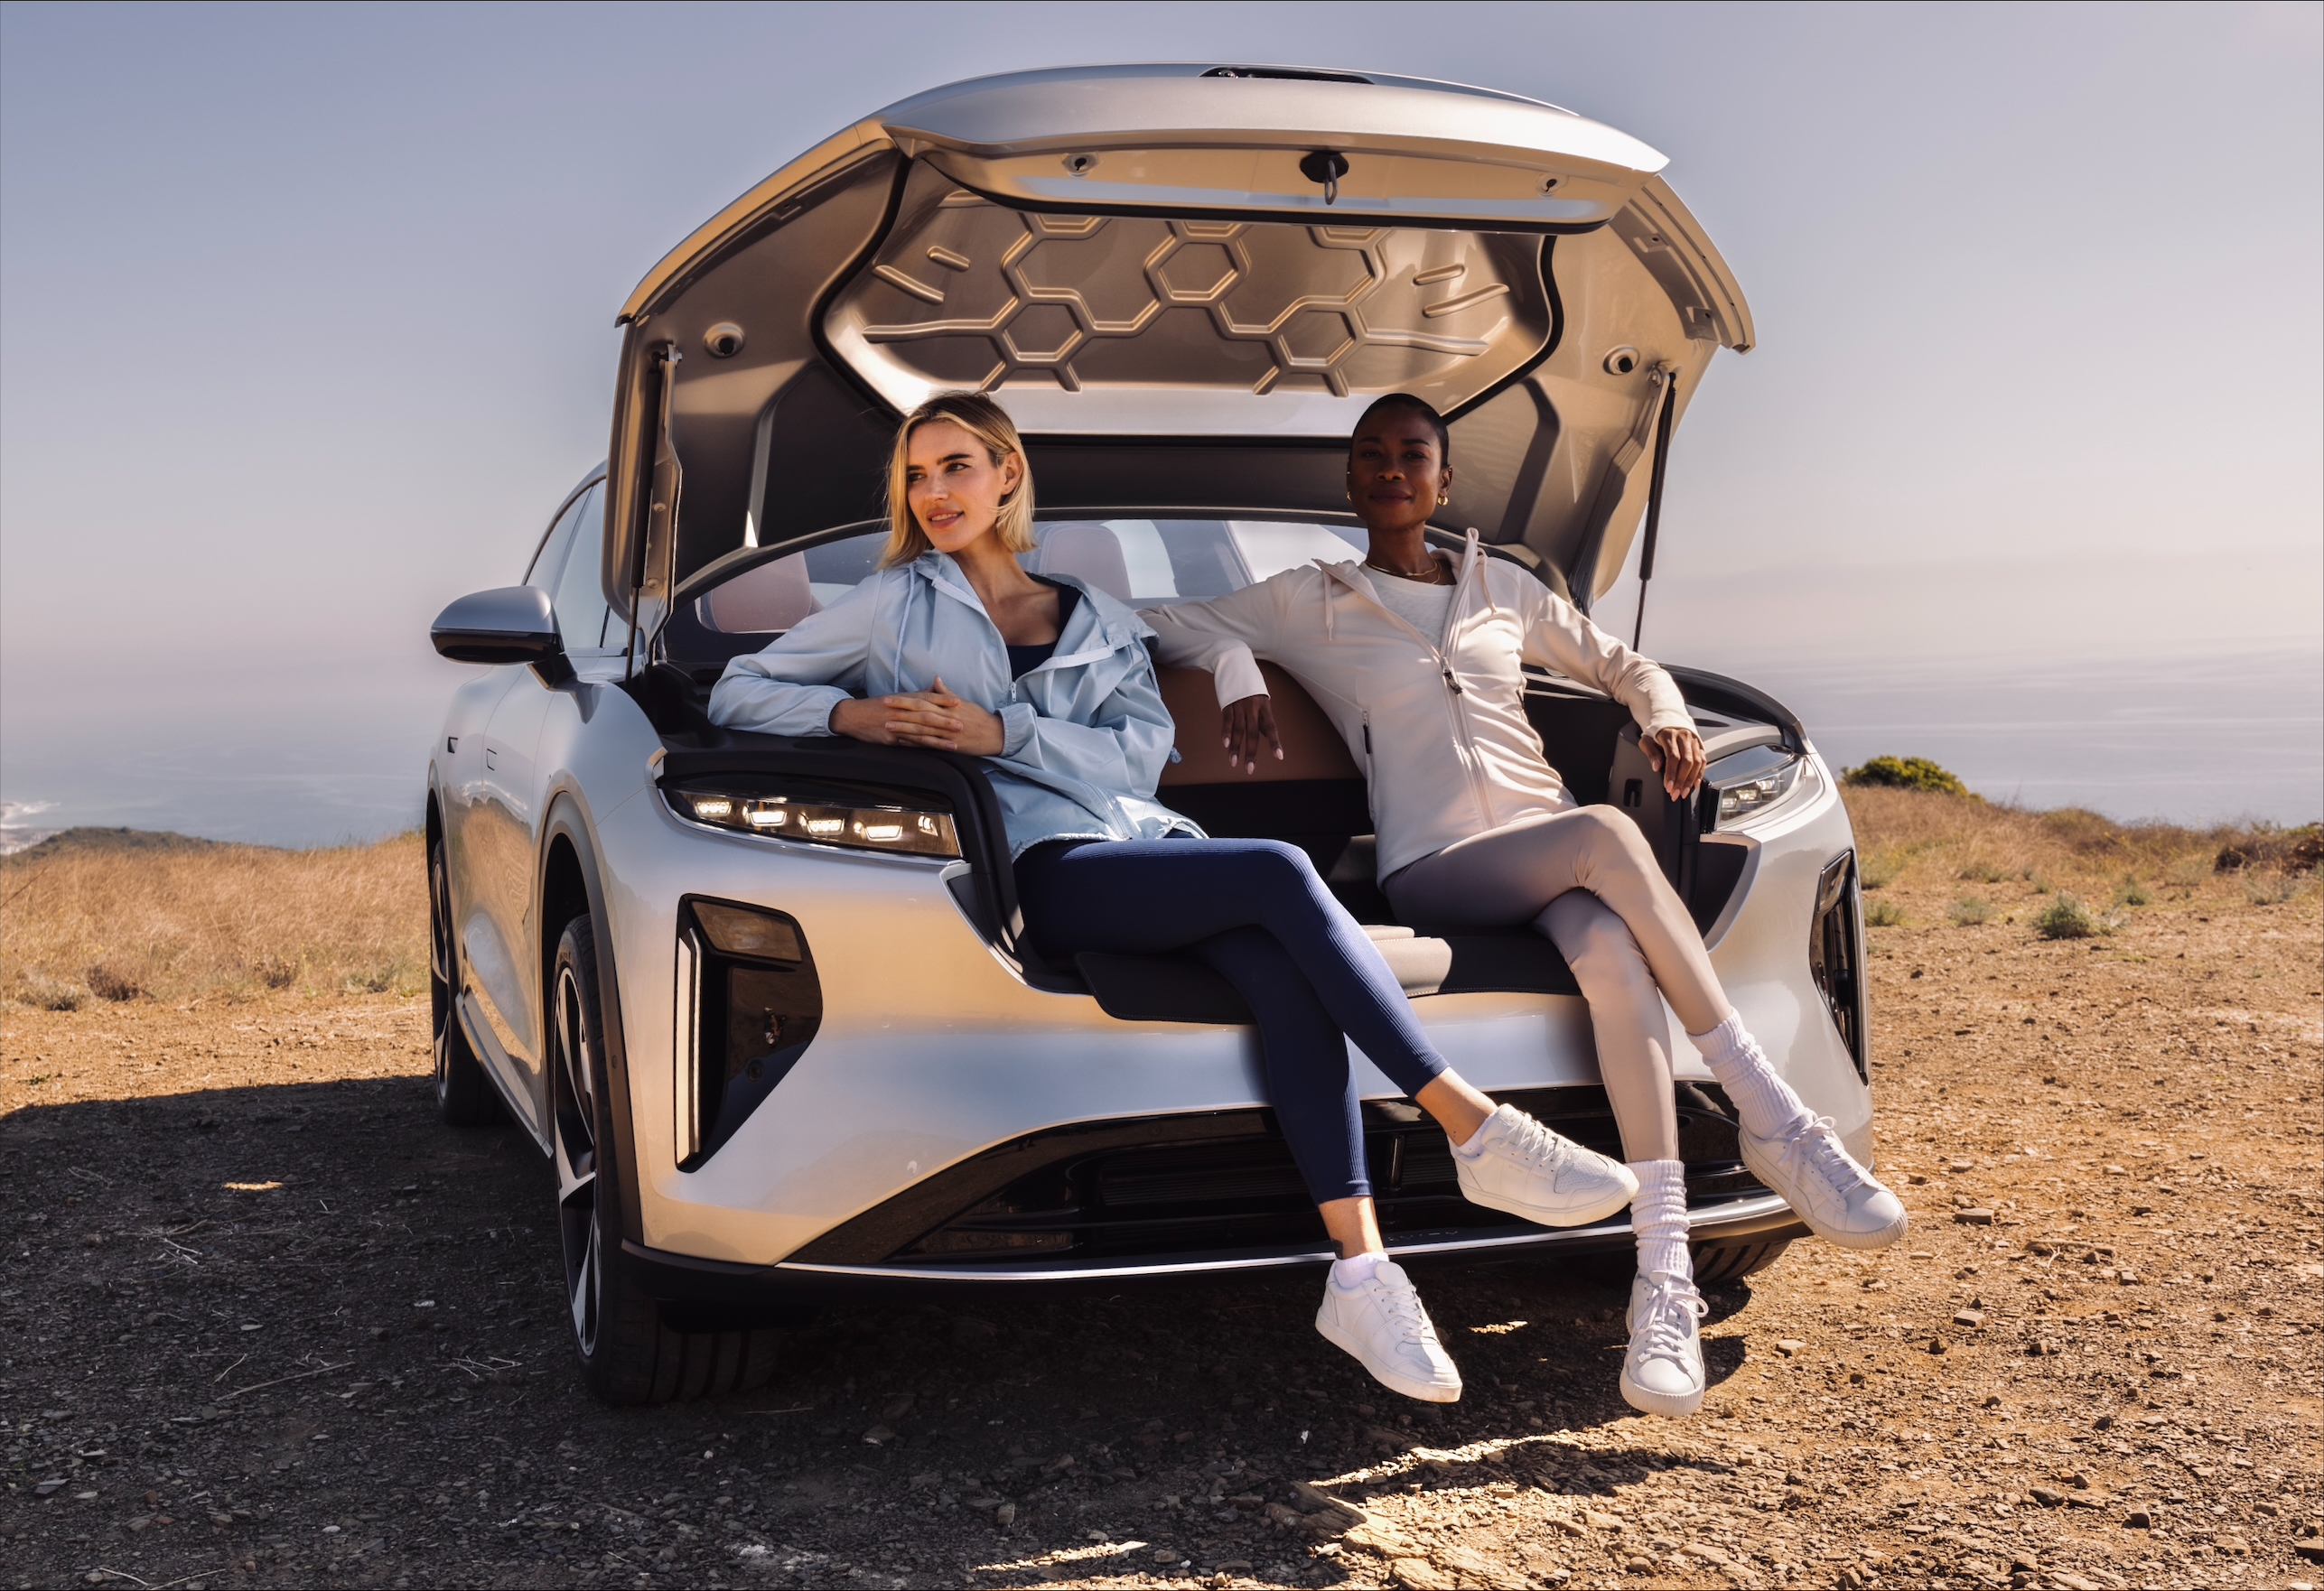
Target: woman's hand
column 1676, row 754
column 934, row 717
column 1248, row 722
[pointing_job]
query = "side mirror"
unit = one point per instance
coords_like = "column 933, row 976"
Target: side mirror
column 513, row 624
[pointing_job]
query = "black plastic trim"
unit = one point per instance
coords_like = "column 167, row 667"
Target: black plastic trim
column 1702, row 688
column 791, row 1286
column 954, row 777
column 1548, row 346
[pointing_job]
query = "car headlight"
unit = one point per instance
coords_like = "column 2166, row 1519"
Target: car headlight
column 860, row 820
column 1752, row 780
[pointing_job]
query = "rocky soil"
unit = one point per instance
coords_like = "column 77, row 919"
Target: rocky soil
column 263, row 1323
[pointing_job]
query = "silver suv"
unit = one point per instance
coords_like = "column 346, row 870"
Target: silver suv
column 763, row 1002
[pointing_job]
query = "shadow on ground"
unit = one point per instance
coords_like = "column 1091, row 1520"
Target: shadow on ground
column 276, row 1333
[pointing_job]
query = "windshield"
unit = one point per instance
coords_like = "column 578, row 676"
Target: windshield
column 1141, row 562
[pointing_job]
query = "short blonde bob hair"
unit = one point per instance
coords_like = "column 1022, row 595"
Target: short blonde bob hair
column 990, row 424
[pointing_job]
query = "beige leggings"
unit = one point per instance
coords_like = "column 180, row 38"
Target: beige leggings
column 1587, row 879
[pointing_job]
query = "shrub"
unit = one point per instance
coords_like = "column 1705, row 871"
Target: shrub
column 390, row 977
column 2039, row 885
column 1879, row 869
column 2131, row 892
column 1985, row 872
column 277, row 972
column 50, row 994
column 1968, row 911
column 111, row 980
column 2289, row 851
column 2065, row 918
column 1905, row 773
column 2270, row 889
column 1883, row 913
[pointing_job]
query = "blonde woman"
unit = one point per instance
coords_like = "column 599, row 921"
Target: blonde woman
column 951, row 644
column 1419, row 657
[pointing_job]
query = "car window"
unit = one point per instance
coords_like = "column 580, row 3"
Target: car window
column 579, row 597
column 548, row 558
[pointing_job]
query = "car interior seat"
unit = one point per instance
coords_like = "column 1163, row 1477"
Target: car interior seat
column 775, row 595
column 1085, row 549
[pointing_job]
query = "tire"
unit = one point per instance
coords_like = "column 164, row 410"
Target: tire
column 1736, row 1263
column 630, row 1353
column 463, row 1095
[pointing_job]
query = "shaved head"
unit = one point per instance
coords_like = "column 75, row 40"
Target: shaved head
column 1421, row 407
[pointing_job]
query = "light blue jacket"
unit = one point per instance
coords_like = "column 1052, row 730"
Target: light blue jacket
column 1084, row 736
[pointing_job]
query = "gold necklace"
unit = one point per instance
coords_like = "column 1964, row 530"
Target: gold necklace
column 1435, row 574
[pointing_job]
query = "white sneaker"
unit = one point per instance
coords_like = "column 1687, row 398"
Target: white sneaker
column 1379, row 1320
column 1663, row 1371
column 1825, row 1186
column 1525, row 1169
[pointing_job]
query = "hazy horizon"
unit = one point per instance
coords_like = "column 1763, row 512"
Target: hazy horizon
column 306, row 324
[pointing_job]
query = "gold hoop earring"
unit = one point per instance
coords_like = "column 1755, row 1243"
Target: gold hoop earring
column 1443, row 498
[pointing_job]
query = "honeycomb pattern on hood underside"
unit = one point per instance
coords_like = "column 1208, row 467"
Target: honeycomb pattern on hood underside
column 968, row 294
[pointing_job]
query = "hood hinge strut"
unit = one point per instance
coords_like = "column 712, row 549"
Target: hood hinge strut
column 1667, row 373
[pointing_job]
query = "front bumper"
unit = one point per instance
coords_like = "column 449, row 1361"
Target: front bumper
column 713, row 1284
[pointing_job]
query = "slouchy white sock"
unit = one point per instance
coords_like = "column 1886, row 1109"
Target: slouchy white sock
column 1658, row 1218
column 1765, row 1102
column 1356, row 1269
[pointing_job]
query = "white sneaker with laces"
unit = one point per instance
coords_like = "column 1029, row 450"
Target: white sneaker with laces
column 1381, row 1322
column 1525, row 1169
column 1663, row 1371
column 1825, row 1186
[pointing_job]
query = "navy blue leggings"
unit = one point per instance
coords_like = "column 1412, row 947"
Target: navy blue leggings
column 1255, row 912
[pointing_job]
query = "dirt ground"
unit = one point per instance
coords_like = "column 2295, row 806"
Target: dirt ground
column 262, row 1322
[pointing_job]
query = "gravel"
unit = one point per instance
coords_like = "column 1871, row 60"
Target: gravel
column 262, row 1322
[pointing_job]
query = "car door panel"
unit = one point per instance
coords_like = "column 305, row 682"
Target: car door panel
column 503, row 933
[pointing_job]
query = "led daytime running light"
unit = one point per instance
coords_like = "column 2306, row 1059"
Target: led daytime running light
column 862, row 828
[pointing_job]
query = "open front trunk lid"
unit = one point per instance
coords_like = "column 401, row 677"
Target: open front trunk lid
column 1185, row 282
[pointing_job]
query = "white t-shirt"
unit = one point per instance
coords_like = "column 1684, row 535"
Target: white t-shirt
column 1422, row 606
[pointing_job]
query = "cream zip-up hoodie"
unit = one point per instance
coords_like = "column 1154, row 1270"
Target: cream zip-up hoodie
column 1439, row 730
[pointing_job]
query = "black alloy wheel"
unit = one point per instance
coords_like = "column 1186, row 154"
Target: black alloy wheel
column 463, row 1095
column 572, row 1053
column 629, row 1352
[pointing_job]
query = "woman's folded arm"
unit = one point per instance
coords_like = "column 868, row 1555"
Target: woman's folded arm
column 1220, row 635
column 1559, row 636
column 791, row 686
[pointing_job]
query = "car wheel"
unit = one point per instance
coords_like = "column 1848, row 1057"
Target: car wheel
column 463, row 1095
column 629, row 1352
column 1734, row 1264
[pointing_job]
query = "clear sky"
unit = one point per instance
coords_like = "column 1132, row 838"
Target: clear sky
column 306, row 321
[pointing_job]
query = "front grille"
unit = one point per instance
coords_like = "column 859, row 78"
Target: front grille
column 1239, row 1188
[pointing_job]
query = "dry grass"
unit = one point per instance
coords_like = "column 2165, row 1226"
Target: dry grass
column 98, row 916
column 1933, row 837
column 95, row 915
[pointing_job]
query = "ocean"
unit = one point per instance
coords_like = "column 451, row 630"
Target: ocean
column 2193, row 742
